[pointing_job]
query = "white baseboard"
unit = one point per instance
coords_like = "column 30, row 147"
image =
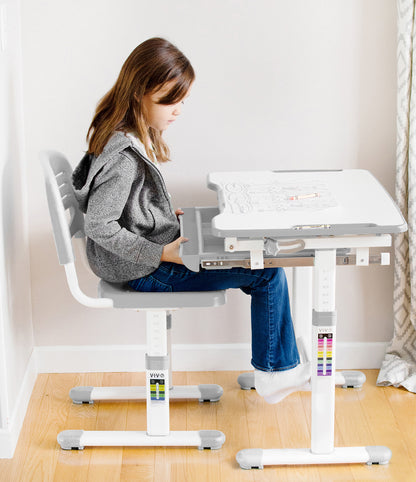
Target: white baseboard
column 204, row 357
column 10, row 434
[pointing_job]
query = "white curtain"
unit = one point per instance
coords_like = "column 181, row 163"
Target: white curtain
column 399, row 365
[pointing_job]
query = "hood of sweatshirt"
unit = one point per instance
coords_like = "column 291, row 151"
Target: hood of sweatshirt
column 89, row 166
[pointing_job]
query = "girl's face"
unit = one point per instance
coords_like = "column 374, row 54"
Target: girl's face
column 160, row 116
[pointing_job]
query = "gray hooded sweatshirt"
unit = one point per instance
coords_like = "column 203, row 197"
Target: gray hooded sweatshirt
column 128, row 214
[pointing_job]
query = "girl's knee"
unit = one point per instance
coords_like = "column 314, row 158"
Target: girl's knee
column 275, row 276
column 279, row 278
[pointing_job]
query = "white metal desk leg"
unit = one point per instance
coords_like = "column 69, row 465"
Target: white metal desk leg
column 302, row 304
column 323, row 353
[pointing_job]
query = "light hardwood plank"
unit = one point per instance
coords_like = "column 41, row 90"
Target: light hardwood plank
column 403, row 406
column 384, row 430
column 138, row 463
column 106, row 462
column 232, row 421
column 11, row 469
column 80, row 417
column 50, row 418
column 170, row 463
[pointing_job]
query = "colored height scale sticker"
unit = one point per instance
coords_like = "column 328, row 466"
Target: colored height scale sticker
column 324, row 367
column 157, row 389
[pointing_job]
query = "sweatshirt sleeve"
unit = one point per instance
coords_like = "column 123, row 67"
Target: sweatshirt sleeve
column 107, row 198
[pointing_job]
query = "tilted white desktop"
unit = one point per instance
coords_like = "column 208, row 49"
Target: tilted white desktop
column 312, row 221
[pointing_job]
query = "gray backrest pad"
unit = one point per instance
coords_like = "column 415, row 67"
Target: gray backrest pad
column 60, row 195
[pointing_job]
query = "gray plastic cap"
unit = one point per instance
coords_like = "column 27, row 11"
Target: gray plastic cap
column 246, row 381
column 324, row 318
column 353, row 378
column 155, row 362
column 210, row 393
column 378, row 454
column 211, row 439
column 81, row 394
column 250, row 458
column 70, row 439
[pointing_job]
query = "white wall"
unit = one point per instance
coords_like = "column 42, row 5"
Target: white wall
column 16, row 335
column 280, row 85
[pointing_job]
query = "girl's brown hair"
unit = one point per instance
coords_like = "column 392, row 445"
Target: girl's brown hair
column 151, row 65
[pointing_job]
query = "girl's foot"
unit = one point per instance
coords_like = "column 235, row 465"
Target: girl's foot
column 275, row 386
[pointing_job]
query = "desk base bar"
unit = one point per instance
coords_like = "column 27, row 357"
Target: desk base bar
column 345, row 379
column 347, row 260
column 258, row 458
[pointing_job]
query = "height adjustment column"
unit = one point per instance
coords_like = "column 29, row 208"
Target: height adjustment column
column 323, row 352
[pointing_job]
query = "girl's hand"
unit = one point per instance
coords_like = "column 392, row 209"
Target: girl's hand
column 171, row 251
column 178, row 212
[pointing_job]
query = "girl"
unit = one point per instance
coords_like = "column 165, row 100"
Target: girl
column 133, row 233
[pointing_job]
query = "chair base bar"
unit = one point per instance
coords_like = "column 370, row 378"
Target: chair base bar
column 203, row 393
column 78, row 439
column 258, row 458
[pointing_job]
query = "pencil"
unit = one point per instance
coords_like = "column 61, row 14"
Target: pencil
column 304, row 196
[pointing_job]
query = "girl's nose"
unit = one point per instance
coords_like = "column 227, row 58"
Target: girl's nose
column 177, row 109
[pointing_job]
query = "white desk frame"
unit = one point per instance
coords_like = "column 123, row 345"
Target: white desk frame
column 315, row 288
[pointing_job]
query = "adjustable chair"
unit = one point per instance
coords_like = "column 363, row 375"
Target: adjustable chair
column 158, row 390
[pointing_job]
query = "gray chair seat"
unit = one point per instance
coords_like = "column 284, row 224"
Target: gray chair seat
column 125, row 297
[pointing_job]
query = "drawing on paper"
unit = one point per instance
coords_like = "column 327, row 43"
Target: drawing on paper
column 274, row 196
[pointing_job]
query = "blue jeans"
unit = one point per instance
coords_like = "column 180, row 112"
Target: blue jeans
column 273, row 342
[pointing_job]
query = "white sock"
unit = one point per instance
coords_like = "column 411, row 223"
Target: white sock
column 275, row 386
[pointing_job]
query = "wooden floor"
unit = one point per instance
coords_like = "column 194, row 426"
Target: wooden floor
column 369, row 416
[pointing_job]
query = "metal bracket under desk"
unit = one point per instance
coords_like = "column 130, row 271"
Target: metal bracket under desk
column 207, row 251
column 286, row 262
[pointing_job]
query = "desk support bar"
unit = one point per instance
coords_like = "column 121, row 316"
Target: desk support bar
column 289, row 262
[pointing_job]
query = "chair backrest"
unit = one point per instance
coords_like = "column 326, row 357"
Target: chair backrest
column 67, row 220
column 61, row 198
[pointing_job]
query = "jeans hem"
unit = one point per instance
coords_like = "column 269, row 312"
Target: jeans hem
column 279, row 369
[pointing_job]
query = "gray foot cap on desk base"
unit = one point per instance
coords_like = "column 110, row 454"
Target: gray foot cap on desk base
column 246, row 381
column 210, row 392
column 353, row 379
column 378, row 454
column 81, row 394
column 211, row 439
column 250, row 458
column 70, row 439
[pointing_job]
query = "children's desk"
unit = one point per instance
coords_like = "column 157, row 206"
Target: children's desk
column 312, row 221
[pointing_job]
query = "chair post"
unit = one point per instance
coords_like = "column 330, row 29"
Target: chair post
column 169, row 342
column 157, row 373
